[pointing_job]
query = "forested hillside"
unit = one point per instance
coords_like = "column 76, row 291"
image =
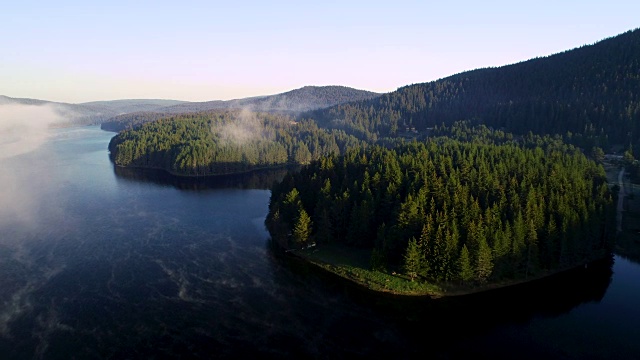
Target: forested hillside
column 291, row 102
column 590, row 95
column 483, row 209
column 224, row 142
column 303, row 99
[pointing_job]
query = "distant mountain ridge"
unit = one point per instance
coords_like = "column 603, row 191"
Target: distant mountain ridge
column 298, row 100
column 25, row 101
column 119, row 114
column 132, row 105
column 291, row 102
column 92, row 113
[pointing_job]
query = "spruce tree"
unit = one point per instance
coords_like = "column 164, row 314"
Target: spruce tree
column 465, row 271
column 302, row 228
column 484, row 263
column 532, row 249
column 412, row 259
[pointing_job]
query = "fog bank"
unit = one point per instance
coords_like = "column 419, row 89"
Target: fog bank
column 23, row 128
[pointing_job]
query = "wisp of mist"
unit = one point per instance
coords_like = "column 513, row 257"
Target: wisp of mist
column 23, row 129
column 246, row 128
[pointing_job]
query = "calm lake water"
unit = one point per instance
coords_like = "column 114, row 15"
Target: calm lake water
column 97, row 262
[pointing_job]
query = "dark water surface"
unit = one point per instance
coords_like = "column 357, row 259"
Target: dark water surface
column 97, row 262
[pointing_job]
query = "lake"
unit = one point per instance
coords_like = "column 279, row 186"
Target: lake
column 102, row 262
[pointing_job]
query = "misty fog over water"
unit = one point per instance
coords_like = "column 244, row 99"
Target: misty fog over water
column 97, row 263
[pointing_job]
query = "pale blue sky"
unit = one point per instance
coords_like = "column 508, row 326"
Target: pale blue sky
column 75, row 51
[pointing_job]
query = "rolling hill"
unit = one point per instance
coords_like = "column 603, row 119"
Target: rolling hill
column 132, row 105
column 291, row 102
column 303, row 99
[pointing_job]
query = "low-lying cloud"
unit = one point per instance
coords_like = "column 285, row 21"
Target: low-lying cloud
column 244, row 129
column 23, row 128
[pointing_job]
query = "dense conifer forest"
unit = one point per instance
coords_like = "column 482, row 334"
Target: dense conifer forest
column 470, row 207
column 225, row 142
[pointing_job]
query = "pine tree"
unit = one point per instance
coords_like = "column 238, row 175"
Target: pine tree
column 291, row 205
column 302, row 228
column 484, row 264
column 439, row 261
column 465, row 272
column 551, row 255
column 412, row 259
column 532, row 249
column 425, row 248
column 518, row 243
column 451, row 239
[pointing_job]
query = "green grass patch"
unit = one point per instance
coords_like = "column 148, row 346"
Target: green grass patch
column 353, row 264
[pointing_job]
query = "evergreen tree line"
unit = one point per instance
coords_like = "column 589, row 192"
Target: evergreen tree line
column 225, row 141
column 497, row 207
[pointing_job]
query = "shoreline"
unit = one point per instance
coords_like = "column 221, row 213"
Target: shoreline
column 180, row 175
column 444, row 293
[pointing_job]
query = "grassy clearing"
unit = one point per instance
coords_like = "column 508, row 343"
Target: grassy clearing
column 353, row 264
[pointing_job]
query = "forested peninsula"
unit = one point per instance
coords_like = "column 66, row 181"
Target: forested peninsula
column 487, row 177
column 223, row 142
column 448, row 214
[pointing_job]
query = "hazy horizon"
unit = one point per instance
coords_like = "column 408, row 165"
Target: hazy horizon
column 76, row 52
column 170, row 99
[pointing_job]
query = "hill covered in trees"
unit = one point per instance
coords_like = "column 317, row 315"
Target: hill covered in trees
column 298, row 100
column 224, row 142
column 446, row 211
column 291, row 102
column 590, row 95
